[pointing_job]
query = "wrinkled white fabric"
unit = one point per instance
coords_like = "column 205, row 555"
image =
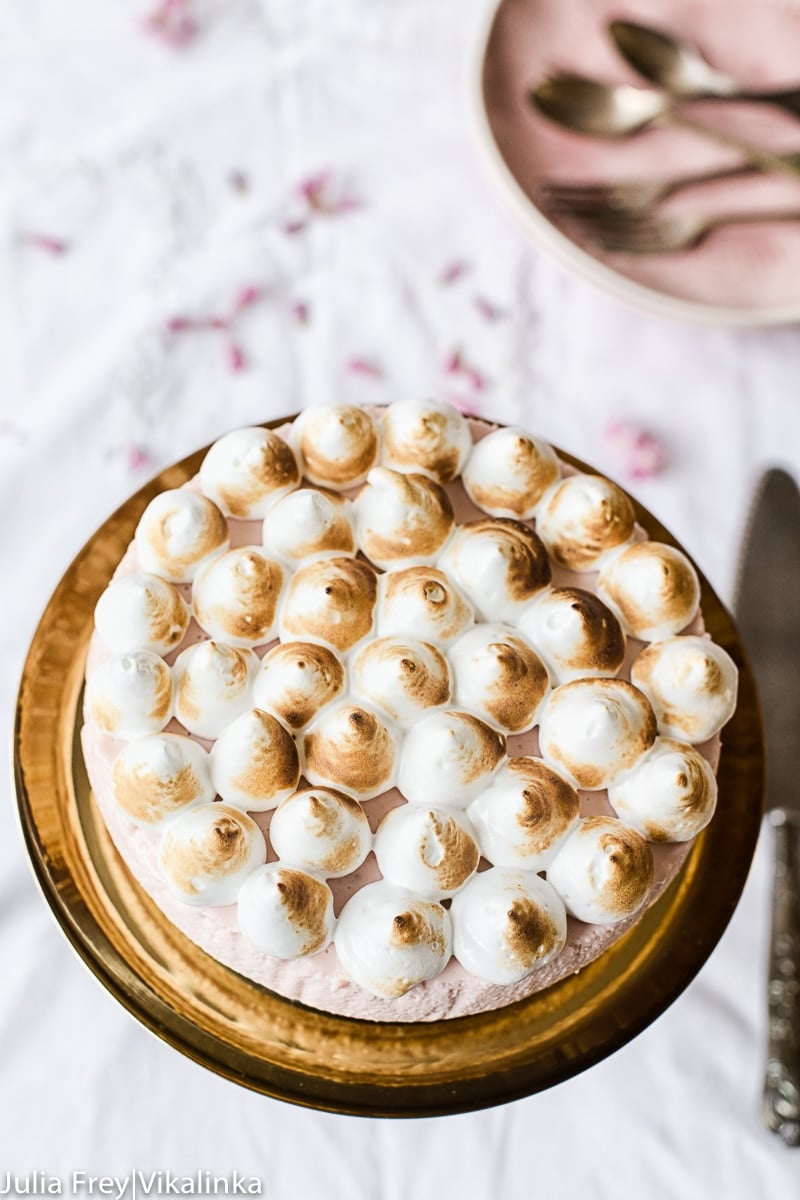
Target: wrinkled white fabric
column 125, row 148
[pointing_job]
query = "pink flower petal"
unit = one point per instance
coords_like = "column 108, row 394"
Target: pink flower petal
column 248, row 296
column 491, row 312
column 456, row 364
column 238, row 181
column 179, row 324
column 236, row 358
column 454, row 271
column 365, row 367
column 137, row 458
column 44, row 241
column 641, row 452
column 301, row 311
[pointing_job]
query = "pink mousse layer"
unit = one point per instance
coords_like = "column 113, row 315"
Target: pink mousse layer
column 318, row 980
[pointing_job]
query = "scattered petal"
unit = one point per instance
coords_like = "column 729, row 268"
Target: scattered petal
column 44, row 241
column 236, row 358
column 137, row 458
column 491, row 312
column 455, row 364
column 454, row 271
column 247, row 297
column 301, row 311
column 322, row 194
column 179, row 324
column 238, row 181
column 295, row 226
column 365, row 367
column 171, row 21
column 641, row 452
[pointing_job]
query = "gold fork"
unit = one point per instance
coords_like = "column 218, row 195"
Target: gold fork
column 561, row 198
column 652, row 233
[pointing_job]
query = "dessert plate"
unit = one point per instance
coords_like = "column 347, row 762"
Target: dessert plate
column 744, row 275
column 288, row 1051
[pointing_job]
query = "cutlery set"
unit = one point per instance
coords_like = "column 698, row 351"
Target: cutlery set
column 624, row 215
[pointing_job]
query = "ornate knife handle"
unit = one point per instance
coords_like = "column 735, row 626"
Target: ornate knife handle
column 780, row 1105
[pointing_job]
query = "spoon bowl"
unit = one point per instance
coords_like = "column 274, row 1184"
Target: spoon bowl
column 598, row 109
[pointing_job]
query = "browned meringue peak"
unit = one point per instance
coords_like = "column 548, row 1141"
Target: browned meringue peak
column 652, row 587
column 331, row 601
column 574, row 633
column 286, row 912
column 670, row 795
column 130, row 695
column 402, row 520
column 692, row 684
column 177, row 532
column 426, row 437
column 322, row 830
column 422, row 602
column 508, row 471
column 499, row 677
column 401, row 676
column 296, row 680
column 207, row 853
column 524, row 814
column 336, row 445
column 159, row 775
column 236, row 596
column 500, row 564
column 603, row 871
column 596, row 730
column 583, row 517
column 245, row 471
column 352, row 748
column 141, row 612
column 309, row 523
column 213, row 685
column 448, row 757
column 254, row 762
column 430, row 851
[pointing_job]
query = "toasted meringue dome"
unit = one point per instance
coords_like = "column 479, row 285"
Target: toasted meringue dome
column 207, row 853
column 402, row 520
column 237, row 595
column 321, row 830
column 296, row 680
column 352, row 748
column 595, row 730
column 177, row 532
column 130, row 695
column 247, row 470
column 447, row 758
column 499, row 564
column 508, row 472
column 389, row 940
column 583, row 517
column 160, row 775
column 499, row 677
column 426, row 437
column 691, row 683
column 574, row 634
column 524, row 815
column 336, row 446
column 401, row 676
column 331, row 601
column 141, row 612
column 653, row 589
column 309, row 524
column 670, row 796
column 430, row 851
column 422, row 602
column 603, row 872
column 506, row 924
column 254, row 762
column 213, row 686
column 286, row 912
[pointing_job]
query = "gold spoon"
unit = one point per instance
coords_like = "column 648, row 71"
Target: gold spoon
column 618, row 110
column 681, row 69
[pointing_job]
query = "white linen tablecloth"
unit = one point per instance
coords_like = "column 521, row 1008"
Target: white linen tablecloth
column 168, row 177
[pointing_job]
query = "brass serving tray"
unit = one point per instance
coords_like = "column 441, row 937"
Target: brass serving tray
column 246, row 1033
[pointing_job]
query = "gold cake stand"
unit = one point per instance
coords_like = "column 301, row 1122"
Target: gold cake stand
column 286, row 1050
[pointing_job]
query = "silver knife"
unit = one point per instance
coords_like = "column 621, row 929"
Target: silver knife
column 768, row 616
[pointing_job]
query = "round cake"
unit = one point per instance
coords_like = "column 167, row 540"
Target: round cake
column 398, row 714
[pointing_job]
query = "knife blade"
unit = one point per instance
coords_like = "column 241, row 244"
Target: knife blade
column 768, row 616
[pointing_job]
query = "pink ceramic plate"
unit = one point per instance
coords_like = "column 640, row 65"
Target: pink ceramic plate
column 742, row 275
